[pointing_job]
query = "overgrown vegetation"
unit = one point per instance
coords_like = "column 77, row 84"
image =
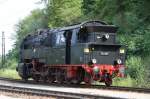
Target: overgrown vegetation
column 131, row 16
column 9, row 73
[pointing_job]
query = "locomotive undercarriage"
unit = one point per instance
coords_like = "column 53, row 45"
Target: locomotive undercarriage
column 67, row 74
column 51, row 74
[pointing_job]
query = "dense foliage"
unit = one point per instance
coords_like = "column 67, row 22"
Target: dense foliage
column 131, row 16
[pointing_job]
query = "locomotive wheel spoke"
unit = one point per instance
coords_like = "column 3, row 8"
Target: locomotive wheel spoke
column 60, row 79
column 108, row 83
column 36, row 78
column 51, row 80
column 80, row 76
column 108, row 80
column 44, row 79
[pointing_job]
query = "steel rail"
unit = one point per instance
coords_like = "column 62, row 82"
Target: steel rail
column 103, row 87
column 47, row 93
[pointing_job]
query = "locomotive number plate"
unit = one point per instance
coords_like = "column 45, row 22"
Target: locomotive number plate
column 104, row 53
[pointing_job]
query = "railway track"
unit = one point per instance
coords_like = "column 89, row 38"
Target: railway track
column 62, row 94
column 48, row 93
column 57, row 94
column 119, row 88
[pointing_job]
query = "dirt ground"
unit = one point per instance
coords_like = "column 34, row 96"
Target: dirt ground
column 8, row 95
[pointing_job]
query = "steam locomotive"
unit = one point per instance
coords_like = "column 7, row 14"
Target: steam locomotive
column 83, row 52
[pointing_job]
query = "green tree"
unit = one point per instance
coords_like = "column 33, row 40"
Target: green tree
column 36, row 20
column 88, row 6
column 63, row 12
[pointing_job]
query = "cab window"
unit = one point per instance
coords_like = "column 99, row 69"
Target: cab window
column 60, row 39
column 82, row 36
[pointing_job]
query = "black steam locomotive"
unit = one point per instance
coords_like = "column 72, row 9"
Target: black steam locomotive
column 78, row 53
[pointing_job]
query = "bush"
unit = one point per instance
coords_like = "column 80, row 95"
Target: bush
column 136, row 70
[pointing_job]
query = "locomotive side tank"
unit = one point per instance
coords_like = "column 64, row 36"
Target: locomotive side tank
column 79, row 53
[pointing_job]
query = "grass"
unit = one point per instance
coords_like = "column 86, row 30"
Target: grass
column 9, row 70
column 127, row 82
column 9, row 73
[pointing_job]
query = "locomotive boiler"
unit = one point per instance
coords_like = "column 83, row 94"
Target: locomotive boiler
column 83, row 52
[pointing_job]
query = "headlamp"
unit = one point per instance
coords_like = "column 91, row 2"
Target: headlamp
column 122, row 51
column 119, row 61
column 86, row 50
column 94, row 61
